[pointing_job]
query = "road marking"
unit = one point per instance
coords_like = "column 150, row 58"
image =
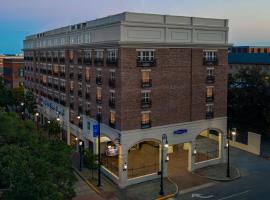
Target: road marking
column 202, row 196
column 234, row 195
column 192, row 189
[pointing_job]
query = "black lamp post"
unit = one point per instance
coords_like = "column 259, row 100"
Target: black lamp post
column 81, row 154
column 99, row 156
column 164, row 144
column 229, row 134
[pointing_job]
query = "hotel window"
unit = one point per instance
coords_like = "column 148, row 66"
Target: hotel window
column 112, row 75
column 210, row 55
column 210, row 71
column 112, row 118
column 209, row 108
column 71, row 85
column 145, row 118
column 98, row 94
column 99, row 54
column 146, row 97
column 146, row 55
column 87, row 74
column 87, row 37
column 146, row 81
column 112, row 55
column 209, row 94
column 71, row 56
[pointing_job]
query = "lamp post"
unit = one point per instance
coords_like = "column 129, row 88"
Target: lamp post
column 164, row 144
column 233, row 132
column 81, row 154
column 37, row 115
column 99, row 156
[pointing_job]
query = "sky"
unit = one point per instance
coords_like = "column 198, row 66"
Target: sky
column 249, row 20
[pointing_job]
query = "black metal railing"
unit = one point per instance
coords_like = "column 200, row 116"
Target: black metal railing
column 145, row 84
column 146, row 104
column 98, row 100
column 210, row 61
column 98, row 61
column 210, row 79
column 146, row 124
column 209, row 99
column 112, row 82
column 87, row 61
column 209, row 115
column 146, row 63
column 112, row 62
column 98, row 80
column 112, row 103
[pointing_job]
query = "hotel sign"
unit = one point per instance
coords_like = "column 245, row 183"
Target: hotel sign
column 180, row 131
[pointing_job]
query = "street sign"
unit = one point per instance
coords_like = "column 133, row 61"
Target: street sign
column 180, row 131
column 95, row 130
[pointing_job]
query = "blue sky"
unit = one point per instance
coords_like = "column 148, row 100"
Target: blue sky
column 249, row 19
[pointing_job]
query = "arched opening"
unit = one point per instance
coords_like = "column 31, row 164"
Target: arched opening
column 207, row 145
column 109, row 154
column 143, row 158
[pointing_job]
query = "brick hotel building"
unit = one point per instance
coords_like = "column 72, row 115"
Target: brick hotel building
column 143, row 74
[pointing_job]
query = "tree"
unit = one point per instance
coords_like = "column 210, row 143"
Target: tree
column 6, row 97
column 90, row 160
column 33, row 166
column 30, row 102
column 18, row 94
column 249, row 100
column 53, row 128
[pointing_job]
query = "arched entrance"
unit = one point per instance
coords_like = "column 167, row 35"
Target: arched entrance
column 143, row 158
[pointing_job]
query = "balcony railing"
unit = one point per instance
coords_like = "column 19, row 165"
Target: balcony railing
column 112, row 103
column 210, row 61
column 111, row 124
column 80, row 61
column 55, row 86
column 146, row 84
column 112, row 62
column 49, row 59
column 62, row 60
column 146, row 104
column 112, row 83
column 99, row 101
column 210, row 79
column 87, row 61
column 62, row 74
column 209, row 115
column 146, row 124
column 71, row 75
column 98, row 61
column 49, row 85
column 98, row 80
column 80, row 93
column 71, row 61
column 79, row 77
column 146, row 63
column 209, row 99
column 49, row 72
column 87, row 96
column 55, row 60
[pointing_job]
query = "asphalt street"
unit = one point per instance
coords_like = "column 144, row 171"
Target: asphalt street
column 254, row 182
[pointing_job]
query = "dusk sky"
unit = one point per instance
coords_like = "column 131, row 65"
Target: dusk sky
column 249, row 19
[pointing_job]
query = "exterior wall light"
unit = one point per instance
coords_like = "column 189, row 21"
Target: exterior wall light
column 48, row 121
column 194, row 152
column 125, row 167
column 76, row 138
column 37, row 114
column 167, row 158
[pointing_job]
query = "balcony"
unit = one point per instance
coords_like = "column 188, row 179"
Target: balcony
column 98, row 61
column 210, row 79
column 210, row 61
column 62, row 60
column 71, row 92
column 62, row 88
column 146, row 104
column 111, row 124
column 87, row 80
column 49, row 85
column 55, row 86
column 210, row 99
column 80, row 61
column 98, row 100
column 55, row 60
column 145, row 125
column 112, row 103
column 87, row 96
column 209, row 115
column 49, row 72
column 71, row 61
column 49, row 59
column 55, row 73
column 146, row 83
column 98, row 80
column 62, row 74
column 80, row 77
column 146, row 63
column 87, row 61
column 71, row 76
column 112, row 83
column 112, row 62
column 80, row 93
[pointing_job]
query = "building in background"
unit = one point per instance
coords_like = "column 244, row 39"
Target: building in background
column 13, row 71
column 144, row 75
column 248, row 57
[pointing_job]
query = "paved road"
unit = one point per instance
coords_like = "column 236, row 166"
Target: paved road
column 254, row 183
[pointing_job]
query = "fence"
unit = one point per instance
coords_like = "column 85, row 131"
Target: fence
column 208, row 155
column 144, row 170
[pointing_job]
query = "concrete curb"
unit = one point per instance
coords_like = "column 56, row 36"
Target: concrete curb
column 170, row 195
column 221, row 179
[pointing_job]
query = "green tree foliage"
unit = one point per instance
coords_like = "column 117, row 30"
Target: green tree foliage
column 18, row 95
column 53, row 128
column 6, row 97
column 33, row 166
column 30, row 102
column 90, row 160
column 249, row 100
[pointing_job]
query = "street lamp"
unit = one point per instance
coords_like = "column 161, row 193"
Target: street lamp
column 37, row 119
column 81, row 154
column 233, row 132
column 99, row 155
column 166, row 145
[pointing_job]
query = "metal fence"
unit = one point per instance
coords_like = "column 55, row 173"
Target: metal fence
column 144, row 170
column 208, row 155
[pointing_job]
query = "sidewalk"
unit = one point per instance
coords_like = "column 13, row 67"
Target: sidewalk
column 218, row 172
column 142, row 191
